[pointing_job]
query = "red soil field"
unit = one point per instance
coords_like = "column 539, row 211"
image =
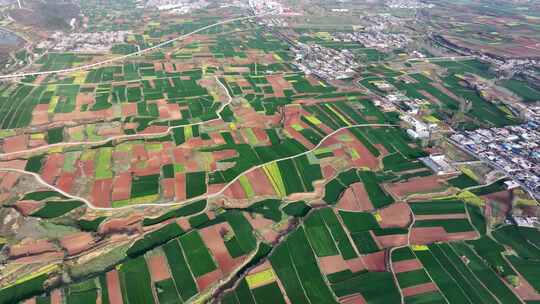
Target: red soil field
column 260, row 183
column 261, row 267
column 418, row 289
column 109, row 131
column 395, row 215
column 183, row 223
column 132, row 223
column 14, row 143
column 30, row 247
column 167, row 185
column 121, row 189
column 525, row 291
column 46, row 257
column 32, row 143
column 66, row 180
column 77, row 242
column 52, row 167
column 353, row 299
column 440, row 216
column 263, row 226
column 208, row 279
column 101, row 192
column 328, row 172
column 235, row 191
column 56, row 297
column 406, row 265
column 374, row 261
column 213, row 240
column 355, row 198
column 356, row 264
column 388, row 241
column 180, row 187
column 113, row 287
column 159, row 268
column 416, row 185
column 88, row 167
column 154, row 129
column 27, row 207
column 129, row 109
column 260, row 134
column 332, row 264
column 8, row 180
column 40, row 114
column 427, row 235
column 214, row 188
column 366, row 159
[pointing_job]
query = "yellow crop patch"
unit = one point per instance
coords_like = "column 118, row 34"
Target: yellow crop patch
column 419, row 247
column 154, row 147
column 431, row 119
column 470, row 173
column 312, row 119
column 274, row 175
column 354, row 154
column 188, row 133
column 297, row 127
column 260, row 278
column 37, row 136
column 52, row 104
column 55, row 150
column 378, row 217
column 136, row 201
column 338, row 114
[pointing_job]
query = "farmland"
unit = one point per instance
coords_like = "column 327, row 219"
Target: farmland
column 203, row 158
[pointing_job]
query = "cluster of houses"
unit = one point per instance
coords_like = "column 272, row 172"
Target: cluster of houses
column 326, row 63
column 513, row 149
column 84, row 42
column 177, row 6
column 376, row 39
column 418, row 129
column 265, row 6
column 408, row 4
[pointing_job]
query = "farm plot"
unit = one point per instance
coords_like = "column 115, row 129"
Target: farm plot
column 53, row 209
column 294, row 263
column 135, row 278
column 368, row 284
column 413, row 279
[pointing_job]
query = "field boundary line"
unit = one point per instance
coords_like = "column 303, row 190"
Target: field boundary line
column 196, row 198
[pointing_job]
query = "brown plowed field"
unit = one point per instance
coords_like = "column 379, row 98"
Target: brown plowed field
column 374, row 261
column 395, row 215
column 428, row 235
column 416, row 185
column 406, row 265
column 353, row 299
column 113, row 287
column 332, row 264
column 77, row 242
column 159, row 268
column 419, row 289
column 355, row 198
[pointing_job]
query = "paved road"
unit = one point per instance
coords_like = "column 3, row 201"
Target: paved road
column 208, row 196
column 12, row 155
column 455, row 58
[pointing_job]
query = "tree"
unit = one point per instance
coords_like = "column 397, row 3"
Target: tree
column 512, row 280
